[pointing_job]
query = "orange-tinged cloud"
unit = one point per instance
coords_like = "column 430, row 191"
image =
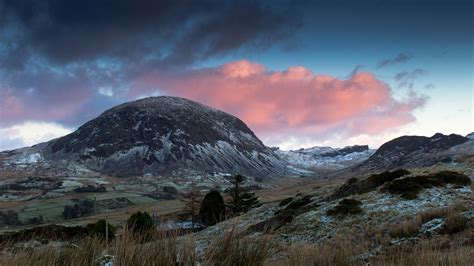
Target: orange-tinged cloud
column 294, row 101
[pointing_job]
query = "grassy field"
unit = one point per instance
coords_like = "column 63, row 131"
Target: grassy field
column 51, row 210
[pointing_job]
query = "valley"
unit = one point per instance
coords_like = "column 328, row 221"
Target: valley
column 411, row 190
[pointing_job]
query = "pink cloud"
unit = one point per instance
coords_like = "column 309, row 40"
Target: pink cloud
column 294, row 101
column 10, row 106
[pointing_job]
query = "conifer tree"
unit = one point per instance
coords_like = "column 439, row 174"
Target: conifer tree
column 242, row 199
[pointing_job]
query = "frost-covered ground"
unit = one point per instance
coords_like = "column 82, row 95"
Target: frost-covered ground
column 313, row 225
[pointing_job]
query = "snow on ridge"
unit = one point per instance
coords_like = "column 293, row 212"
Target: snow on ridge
column 314, row 157
column 29, row 158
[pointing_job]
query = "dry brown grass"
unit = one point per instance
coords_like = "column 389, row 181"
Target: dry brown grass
column 342, row 249
column 454, row 222
column 235, row 249
column 429, row 252
column 130, row 249
column 83, row 254
column 126, row 249
column 231, row 250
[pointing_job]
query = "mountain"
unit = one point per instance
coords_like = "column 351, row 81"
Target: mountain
column 412, row 151
column 326, row 157
column 156, row 135
column 470, row 135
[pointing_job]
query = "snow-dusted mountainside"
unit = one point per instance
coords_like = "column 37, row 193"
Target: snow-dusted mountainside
column 470, row 135
column 414, row 151
column 155, row 135
column 326, row 157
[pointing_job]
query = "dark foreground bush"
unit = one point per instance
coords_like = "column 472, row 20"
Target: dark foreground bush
column 354, row 186
column 407, row 188
column 212, row 208
column 387, row 176
column 297, row 203
column 100, row 232
column 285, row 201
column 346, row 207
column 411, row 186
column 140, row 222
column 452, row 177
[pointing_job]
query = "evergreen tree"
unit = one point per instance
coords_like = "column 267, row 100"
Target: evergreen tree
column 242, row 199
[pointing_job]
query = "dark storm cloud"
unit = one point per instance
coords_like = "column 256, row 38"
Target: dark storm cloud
column 400, row 58
column 164, row 32
column 66, row 61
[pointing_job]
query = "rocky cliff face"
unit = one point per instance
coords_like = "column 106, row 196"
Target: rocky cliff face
column 158, row 135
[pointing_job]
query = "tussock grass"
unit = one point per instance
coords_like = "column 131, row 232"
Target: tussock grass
column 337, row 251
column 233, row 250
column 428, row 252
column 132, row 249
column 454, row 221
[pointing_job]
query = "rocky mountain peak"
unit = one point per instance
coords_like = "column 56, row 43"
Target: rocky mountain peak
column 162, row 134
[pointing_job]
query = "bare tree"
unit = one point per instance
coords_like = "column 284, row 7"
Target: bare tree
column 192, row 203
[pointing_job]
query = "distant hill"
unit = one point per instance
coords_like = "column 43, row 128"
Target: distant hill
column 155, row 135
column 412, row 151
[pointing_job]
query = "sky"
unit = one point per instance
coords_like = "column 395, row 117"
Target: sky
column 299, row 73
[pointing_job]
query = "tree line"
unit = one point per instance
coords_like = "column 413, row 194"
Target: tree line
column 212, row 208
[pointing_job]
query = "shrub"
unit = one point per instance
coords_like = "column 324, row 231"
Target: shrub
column 345, row 207
column 212, row 208
column 140, row 222
column 36, row 220
column 91, row 188
column 79, row 209
column 296, row 204
column 355, row 186
column 411, row 186
column 387, row 176
column 285, row 201
column 406, row 188
column 9, row 218
column 99, row 230
column 452, row 177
